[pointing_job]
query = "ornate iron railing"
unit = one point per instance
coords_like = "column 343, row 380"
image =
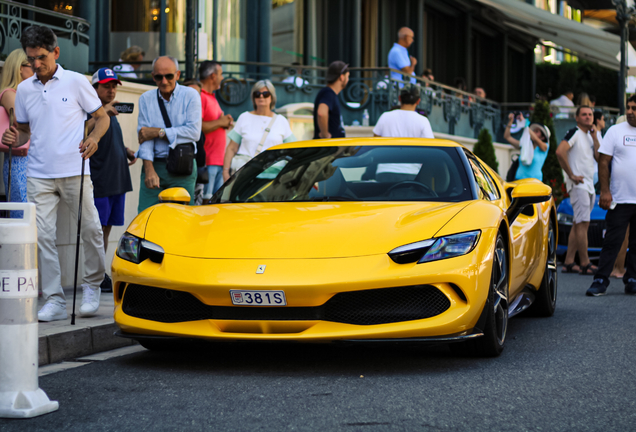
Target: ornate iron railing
column 72, row 32
column 372, row 89
column 449, row 110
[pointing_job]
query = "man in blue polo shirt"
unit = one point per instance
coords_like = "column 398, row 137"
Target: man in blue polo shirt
column 399, row 57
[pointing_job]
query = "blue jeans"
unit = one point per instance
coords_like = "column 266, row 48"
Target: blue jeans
column 215, row 172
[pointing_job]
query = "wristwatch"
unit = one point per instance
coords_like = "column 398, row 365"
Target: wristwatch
column 162, row 133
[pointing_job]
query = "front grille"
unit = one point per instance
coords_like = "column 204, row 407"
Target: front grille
column 594, row 234
column 367, row 307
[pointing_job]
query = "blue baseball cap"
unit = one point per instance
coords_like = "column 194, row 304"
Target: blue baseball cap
column 104, row 75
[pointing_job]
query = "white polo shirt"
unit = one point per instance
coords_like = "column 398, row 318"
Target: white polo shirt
column 56, row 112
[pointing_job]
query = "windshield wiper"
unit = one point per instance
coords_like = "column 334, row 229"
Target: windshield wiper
column 330, row 198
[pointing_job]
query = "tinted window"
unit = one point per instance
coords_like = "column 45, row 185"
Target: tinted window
column 485, row 183
column 365, row 173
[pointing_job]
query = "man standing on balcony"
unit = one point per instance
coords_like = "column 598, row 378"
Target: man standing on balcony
column 576, row 155
column 183, row 106
column 399, row 57
column 50, row 109
column 213, row 127
column 565, row 100
column 327, row 118
column 618, row 197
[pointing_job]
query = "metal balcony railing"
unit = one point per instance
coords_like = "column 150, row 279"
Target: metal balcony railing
column 450, row 111
column 72, row 32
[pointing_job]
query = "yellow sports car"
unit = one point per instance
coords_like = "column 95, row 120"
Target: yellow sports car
column 411, row 240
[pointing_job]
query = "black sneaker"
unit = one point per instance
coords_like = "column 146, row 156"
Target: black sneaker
column 107, row 284
column 630, row 286
column 597, row 288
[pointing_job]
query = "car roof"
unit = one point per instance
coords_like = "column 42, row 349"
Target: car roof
column 368, row 141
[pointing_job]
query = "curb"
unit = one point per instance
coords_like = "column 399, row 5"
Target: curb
column 60, row 344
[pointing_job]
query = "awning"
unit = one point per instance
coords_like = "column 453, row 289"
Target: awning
column 584, row 41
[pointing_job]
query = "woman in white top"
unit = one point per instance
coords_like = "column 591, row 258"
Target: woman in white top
column 256, row 131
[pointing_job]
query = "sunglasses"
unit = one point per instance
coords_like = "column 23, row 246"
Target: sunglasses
column 158, row 77
column 258, row 94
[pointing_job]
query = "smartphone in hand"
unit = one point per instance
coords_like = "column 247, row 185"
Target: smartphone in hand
column 124, row 107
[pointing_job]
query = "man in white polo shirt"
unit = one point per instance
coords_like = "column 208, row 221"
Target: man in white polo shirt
column 51, row 108
column 618, row 197
column 402, row 123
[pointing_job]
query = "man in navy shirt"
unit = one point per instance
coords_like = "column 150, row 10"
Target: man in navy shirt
column 109, row 164
column 327, row 118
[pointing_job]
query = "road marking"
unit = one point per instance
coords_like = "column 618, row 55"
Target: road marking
column 58, row 367
column 82, row 361
column 112, row 354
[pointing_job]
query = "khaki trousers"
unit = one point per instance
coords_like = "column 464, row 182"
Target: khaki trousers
column 46, row 195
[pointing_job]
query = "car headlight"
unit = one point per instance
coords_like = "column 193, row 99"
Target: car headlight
column 565, row 219
column 436, row 248
column 136, row 250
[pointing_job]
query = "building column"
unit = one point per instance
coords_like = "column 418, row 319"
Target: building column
column 99, row 31
column 356, row 36
column 504, row 63
column 468, row 43
column 164, row 27
column 420, row 40
column 264, row 42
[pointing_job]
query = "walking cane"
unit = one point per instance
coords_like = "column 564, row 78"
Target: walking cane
column 79, row 228
column 11, row 122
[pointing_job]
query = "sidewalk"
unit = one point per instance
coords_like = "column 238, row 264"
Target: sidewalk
column 59, row 340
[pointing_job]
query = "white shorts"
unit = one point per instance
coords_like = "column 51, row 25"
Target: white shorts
column 582, row 204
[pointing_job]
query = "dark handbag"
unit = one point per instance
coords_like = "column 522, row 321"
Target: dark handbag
column 181, row 158
column 512, row 171
column 203, row 177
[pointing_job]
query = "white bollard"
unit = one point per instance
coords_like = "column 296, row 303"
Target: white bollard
column 20, row 395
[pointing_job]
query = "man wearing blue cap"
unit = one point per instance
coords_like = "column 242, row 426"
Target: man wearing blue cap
column 109, row 164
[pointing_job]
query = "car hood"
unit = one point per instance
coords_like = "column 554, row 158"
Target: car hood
column 294, row 230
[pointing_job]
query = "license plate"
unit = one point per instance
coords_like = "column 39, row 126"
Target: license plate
column 258, row 298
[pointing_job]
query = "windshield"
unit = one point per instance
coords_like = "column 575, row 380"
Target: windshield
column 363, row 173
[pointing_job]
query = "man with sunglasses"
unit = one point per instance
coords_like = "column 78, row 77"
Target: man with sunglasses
column 327, row 118
column 50, row 109
column 183, row 106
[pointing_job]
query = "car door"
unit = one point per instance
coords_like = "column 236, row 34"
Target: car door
column 523, row 232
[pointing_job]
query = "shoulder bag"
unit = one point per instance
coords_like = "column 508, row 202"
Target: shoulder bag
column 239, row 160
column 4, row 125
column 181, row 158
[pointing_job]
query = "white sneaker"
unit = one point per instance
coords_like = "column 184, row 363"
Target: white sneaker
column 90, row 301
column 52, row 312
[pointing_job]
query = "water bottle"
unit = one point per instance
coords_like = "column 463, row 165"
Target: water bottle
column 365, row 118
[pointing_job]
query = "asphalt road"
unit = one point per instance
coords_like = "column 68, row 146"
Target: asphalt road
column 575, row 371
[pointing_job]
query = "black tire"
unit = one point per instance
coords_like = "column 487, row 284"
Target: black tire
column 545, row 301
column 491, row 344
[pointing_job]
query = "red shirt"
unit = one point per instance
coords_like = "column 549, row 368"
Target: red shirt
column 215, row 140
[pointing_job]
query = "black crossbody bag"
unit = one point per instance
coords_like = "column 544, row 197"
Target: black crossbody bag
column 180, row 159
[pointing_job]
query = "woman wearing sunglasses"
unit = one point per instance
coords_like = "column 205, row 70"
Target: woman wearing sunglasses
column 256, row 131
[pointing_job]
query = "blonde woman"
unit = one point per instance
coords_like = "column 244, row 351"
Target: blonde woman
column 16, row 69
column 584, row 100
column 256, row 131
column 132, row 54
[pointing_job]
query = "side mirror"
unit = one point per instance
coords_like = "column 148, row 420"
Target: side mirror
column 175, row 195
column 525, row 194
